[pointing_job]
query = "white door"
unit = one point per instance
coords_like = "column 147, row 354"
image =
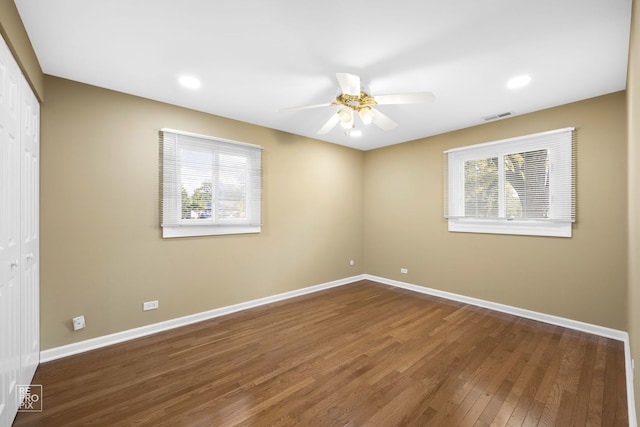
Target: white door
column 10, row 256
column 29, row 244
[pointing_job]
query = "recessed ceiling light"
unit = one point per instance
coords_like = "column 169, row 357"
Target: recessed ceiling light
column 519, row 81
column 189, row 82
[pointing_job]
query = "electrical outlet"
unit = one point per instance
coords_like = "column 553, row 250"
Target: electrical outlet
column 404, row 271
column 78, row 323
column 150, row 305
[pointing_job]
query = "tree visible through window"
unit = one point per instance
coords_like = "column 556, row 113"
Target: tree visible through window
column 526, row 181
column 196, row 183
column 527, row 184
column 481, row 188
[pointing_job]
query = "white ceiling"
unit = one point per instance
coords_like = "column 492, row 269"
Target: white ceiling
column 255, row 56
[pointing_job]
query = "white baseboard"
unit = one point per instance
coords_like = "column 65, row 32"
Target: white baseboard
column 95, row 343
column 118, row 337
column 520, row 312
column 541, row 317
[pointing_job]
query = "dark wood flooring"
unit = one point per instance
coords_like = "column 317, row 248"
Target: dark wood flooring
column 360, row 354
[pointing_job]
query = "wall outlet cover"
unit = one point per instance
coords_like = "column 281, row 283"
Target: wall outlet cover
column 150, row 305
column 78, row 323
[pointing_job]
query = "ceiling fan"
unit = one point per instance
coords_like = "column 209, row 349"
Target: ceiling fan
column 353, row 100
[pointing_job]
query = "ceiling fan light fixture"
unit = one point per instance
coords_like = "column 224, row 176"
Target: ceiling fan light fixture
column 346, row 117
column 353, row 99
column 366, row 115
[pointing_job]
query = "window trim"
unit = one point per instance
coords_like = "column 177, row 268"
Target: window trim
column 515, row 227
column 171, row 187
column 560, row 222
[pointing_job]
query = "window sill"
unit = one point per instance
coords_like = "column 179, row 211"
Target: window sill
column 525, row 228
column 204, row 230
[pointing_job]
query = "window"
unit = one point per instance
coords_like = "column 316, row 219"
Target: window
column 523, row 185
column 210, row 186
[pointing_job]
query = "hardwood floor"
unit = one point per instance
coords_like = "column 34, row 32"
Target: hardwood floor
column 360, row 354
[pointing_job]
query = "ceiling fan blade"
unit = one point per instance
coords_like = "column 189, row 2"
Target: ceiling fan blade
column 333, row 120
column 406, row 98
column 349, row 83
column 382, row 121
column 306, row 107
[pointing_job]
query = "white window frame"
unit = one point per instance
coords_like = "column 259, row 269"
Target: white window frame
column 561, row 175
column 172, row 223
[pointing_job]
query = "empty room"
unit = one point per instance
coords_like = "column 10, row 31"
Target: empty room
column 319, row 214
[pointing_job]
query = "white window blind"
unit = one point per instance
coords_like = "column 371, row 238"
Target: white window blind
column 210, row 186
column 523, row 185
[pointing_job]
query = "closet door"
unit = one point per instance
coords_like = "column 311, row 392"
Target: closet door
column 10, row 254
column 29, row 243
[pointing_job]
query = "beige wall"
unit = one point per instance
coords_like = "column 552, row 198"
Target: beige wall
column 582, row 278
column 102, row 254
column 15, row 36
column 633, row 112
column 101, row 250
